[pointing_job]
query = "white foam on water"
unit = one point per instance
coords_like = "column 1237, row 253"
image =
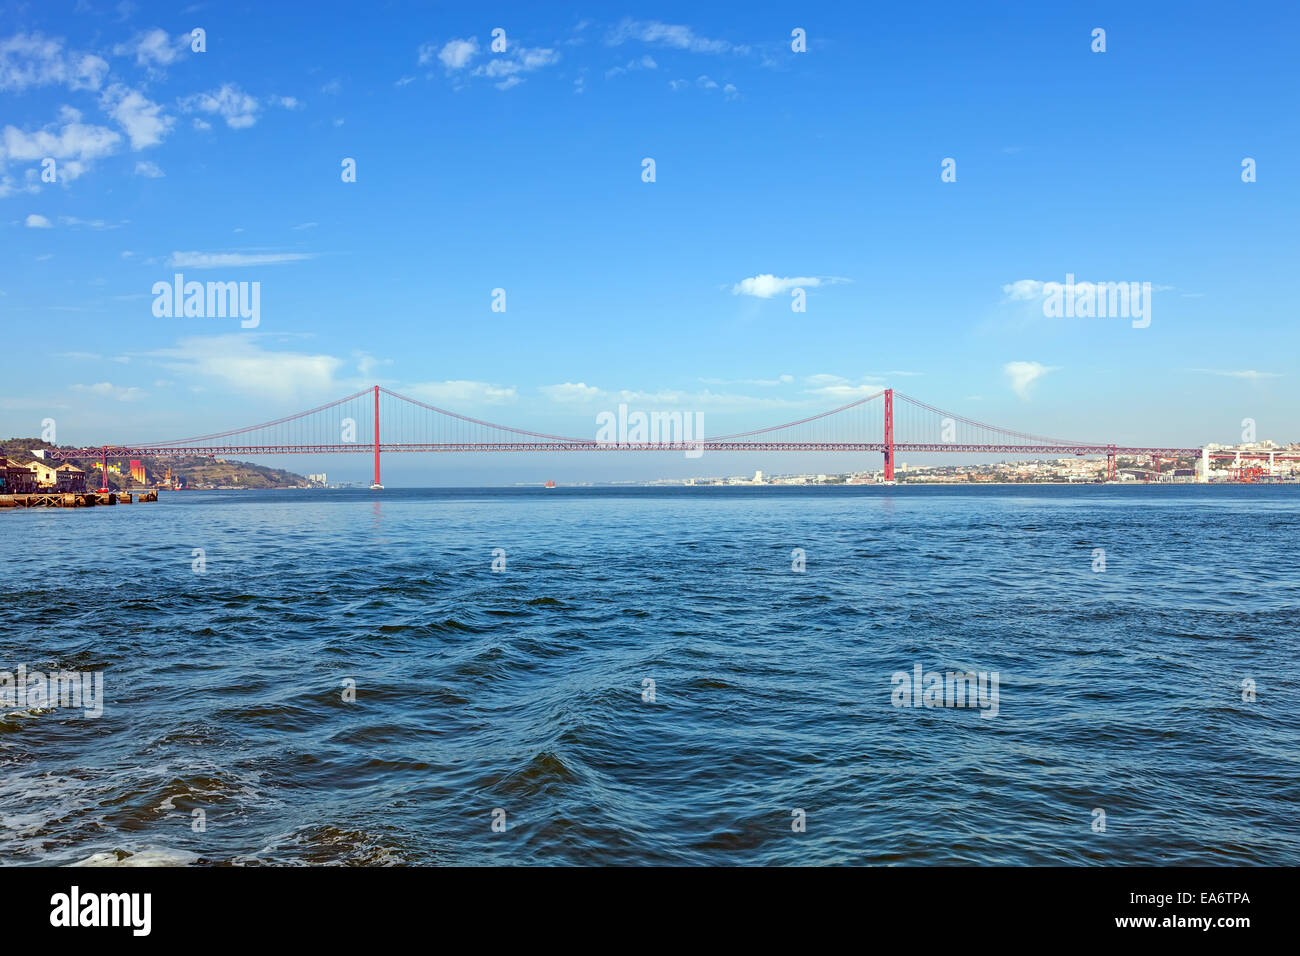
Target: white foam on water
column 145, row 856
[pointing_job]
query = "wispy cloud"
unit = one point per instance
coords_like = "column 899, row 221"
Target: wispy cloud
column 154, row 48
column 1246, row 373
column 572, row 393
column 646, row 62
column 454, row 55
column 506, row 68
column 119, row 393
column 1023, row 290
column 1024, row 374
column 232, row 104
column 675, row 36
column 839, row 389
column 241, row 363
column 579, row 395
column 32, row 60
column 68, row 140
column 96, row 224
column 143, row 120
column 766, row 285
column 783, row 380
column 464, row 393
column 223, row 260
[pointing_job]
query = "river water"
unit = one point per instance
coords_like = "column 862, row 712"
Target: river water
column 686, row 675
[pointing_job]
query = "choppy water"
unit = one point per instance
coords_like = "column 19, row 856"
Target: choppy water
column 523, row 689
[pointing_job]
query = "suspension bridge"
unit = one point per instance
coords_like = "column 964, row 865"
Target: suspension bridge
column 377, row 420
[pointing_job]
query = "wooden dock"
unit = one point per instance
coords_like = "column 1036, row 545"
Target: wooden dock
column 73, row 499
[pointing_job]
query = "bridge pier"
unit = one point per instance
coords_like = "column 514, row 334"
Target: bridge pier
column 889, row 434
column 377, row 486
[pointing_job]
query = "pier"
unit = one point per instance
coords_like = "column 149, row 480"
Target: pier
column 70, row 499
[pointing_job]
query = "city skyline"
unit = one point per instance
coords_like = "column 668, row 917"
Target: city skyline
column 229, row 165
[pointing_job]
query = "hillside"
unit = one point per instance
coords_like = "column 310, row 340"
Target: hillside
column 198, row 473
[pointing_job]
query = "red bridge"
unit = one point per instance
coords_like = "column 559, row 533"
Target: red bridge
column 887, row 422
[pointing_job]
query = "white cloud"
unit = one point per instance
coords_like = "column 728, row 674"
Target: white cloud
column 518, row 60
column 504, row 69
column 572, row 392
column 1027, row 290
column 1246, row 373
column 454, row 55
column 96, row 224
column 222, row 260
column 9, row 186
column 37, row 222
column 590, row 397
column 74, row 144
column 646, row 62
column 150, row 170
column 31, row 59
column 154, row 48
column 452, row 394
column 782, row 380
column 1023, row 290
column 108, row 390
column 232, row 104
column 840, row 389
column 848, row 393
column 666, row 34
column 140, row 118
column 240, row 363
column 367, row 363
column 766, row 285
column 1024, row 374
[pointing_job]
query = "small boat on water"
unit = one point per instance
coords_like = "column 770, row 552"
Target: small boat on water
column 550, row 483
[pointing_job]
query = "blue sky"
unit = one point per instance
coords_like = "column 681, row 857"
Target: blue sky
column 522, row 170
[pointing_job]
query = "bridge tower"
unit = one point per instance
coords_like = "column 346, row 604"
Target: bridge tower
column 377, row 486
column 889, row 434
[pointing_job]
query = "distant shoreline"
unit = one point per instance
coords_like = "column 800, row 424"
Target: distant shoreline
column 772, row 486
